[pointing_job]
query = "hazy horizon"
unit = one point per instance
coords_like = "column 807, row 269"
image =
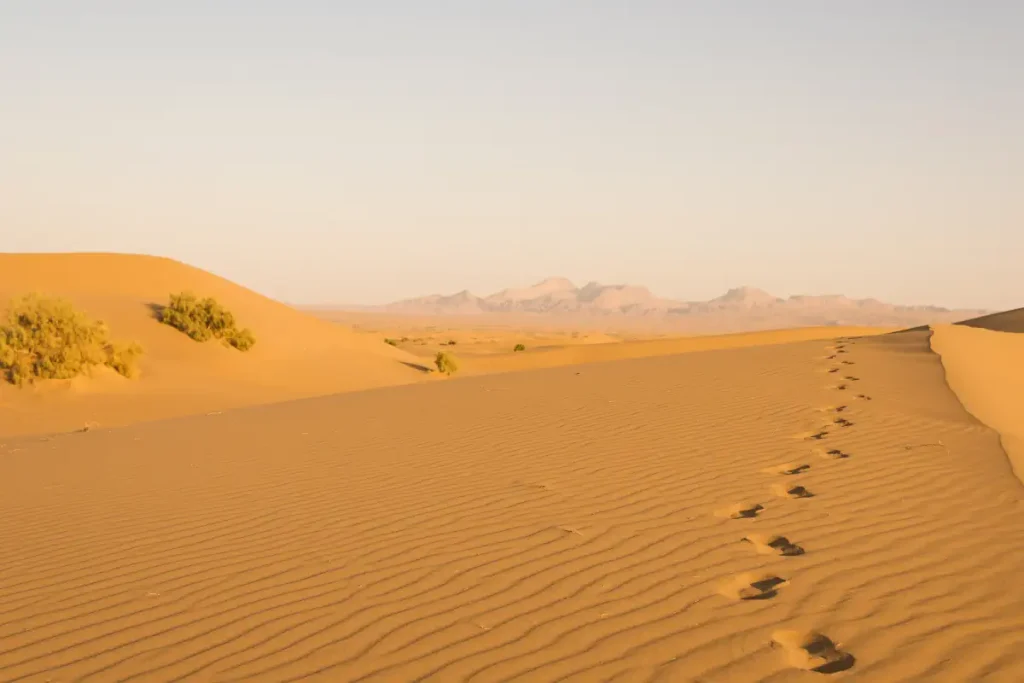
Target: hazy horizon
column 362, row 153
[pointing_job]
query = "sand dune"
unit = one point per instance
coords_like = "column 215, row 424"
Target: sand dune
column 1005, row 321
column 296, row 355
column 985, row 368
column 578, row 354
column 552, row 525
column 484, row 348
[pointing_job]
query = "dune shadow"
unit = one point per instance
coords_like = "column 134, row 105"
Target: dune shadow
column 156, row 310
column 846, row 661
column 417, row 366
column 1005, row 321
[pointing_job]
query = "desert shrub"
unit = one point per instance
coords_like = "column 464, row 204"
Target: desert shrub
column 519, row 347
column 243, row 339
column 47, row 338
column 205, row 319
column 392, row 342
column 452, row 342
column 445, row 363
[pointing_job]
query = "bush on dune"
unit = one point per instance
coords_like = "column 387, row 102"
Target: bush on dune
column 445, row 363
column 47, row 338
column 205, row 319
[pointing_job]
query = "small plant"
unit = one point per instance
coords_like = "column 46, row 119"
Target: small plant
column 392, row 342
column 519, row 347
column 243, row 340
column 445, row 363
column 451, row 342
column 205, row 319
column 47, row 338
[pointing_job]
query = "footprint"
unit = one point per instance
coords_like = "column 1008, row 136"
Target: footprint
column 772, row 544
column 842, row 387
column 833, row 371
column 752, row 586
column 864, row 397
column 740, row 511
column 833, row 454
column 789, row 491
column 842, row 422
column 787, row 468
column 832, row 357
column 851, row 379
column 848, row 362
column 812, row 651
column 819, row 434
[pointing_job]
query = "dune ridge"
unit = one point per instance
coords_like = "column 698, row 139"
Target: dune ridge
column 549, row 525
column 985, row 368
column 1003, row 321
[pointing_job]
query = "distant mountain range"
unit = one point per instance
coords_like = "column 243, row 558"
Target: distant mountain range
column 743, row 305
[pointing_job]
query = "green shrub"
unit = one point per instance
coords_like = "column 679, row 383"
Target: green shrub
column 445, row 363
column 393, row 342
column 205, row 319
column 46, row 338
column 243, row 340
column 519, row 347
column 451, row 342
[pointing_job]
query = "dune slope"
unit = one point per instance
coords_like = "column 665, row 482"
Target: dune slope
column 1006, row 321
column 986, row 370
column 296, row 355
column 569, row 524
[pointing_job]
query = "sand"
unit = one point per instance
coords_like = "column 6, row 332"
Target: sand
column 485, row 344
column 296, row 355
column 986, row 370
column 559, row 524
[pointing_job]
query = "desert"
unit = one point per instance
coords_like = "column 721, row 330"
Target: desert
column 511, row 342
column 739, row 507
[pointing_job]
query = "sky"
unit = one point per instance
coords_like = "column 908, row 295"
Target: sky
column 362, row 152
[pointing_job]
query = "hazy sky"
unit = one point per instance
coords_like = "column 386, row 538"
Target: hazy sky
column 366, row 151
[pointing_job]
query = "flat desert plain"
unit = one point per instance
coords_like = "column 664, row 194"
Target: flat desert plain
column 780, row 506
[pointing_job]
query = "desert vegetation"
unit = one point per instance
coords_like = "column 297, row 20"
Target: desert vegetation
column 445, row 363
column 519, row 347
column 205, row 319
column 47, row 338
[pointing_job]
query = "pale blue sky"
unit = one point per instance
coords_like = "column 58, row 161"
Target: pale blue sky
column 366, row 151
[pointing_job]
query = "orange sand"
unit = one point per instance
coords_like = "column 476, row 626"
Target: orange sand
column 550, row 525
column 742, row 508
column 296, row 355
column 986, row 370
